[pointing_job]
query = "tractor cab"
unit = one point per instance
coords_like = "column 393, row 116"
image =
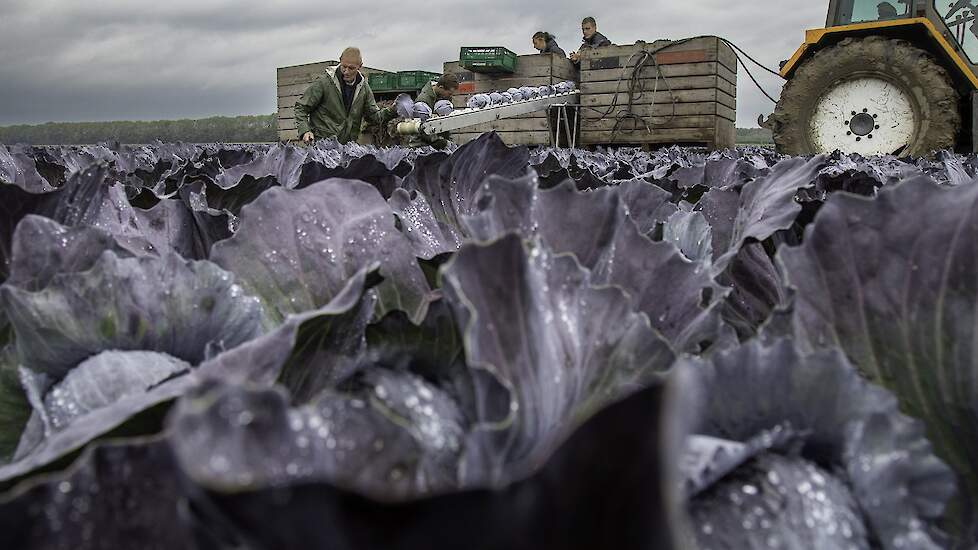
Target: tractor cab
column 847, row 12
column 953, row 21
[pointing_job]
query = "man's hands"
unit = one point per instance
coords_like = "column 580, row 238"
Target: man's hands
column 575, row 56
column 308, row 137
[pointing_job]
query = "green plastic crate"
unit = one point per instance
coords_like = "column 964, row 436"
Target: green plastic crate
column 381, row 82
column 487, row 59
column 414, row 80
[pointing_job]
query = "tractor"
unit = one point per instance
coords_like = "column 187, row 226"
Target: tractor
column 896, row 77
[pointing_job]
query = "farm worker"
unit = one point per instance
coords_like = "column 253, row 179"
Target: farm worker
column 592, row 39
column 335, row 105
column 545, row 42
column 444, row 88
column 886, row 11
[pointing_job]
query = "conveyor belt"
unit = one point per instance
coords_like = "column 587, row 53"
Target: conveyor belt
column 464, row 118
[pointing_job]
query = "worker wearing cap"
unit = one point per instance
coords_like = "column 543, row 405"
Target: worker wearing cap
column 592, row 39
column 335, row 105
column 436, row 90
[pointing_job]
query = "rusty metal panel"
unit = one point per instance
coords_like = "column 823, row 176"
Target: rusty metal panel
column 605, row 63
column 675, row 58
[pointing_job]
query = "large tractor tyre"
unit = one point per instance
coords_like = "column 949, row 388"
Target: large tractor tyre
column 869, row 96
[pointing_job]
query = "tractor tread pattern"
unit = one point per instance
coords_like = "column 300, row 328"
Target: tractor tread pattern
column 928, row 83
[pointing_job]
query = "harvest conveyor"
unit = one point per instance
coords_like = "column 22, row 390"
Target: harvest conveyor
column 465, row 118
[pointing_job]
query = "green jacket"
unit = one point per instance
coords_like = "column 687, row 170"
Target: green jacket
column 428, row 95
column 321, row 111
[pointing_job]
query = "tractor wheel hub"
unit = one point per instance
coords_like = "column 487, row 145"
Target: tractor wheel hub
column 865, row 115
column 862, row 124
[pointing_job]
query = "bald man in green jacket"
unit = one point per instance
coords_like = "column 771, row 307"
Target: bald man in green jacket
column 335, row 105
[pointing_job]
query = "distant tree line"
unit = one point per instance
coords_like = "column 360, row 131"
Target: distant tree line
column 239, row 129
column 754, row 136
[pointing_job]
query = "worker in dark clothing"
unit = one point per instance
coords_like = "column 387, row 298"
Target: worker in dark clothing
column 545, row 42
column 886, row 11
column 335, row 105
column 436, row 90
column 592, row 38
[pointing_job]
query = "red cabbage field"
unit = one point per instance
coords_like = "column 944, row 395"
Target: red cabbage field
column 342, row 347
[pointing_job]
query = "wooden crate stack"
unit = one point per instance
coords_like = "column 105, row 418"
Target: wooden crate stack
column 291, row 83
column 531, row 70
column 702, row 74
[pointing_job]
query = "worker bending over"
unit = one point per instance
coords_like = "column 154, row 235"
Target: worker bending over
column 437, row 90
column 592, row 39
column 335, row 105
column 545, row 42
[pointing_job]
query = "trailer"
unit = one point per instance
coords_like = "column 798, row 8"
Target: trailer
column 681, row 92
column 647, row 94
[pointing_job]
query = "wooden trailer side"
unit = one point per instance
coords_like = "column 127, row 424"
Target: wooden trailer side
column 685, row 94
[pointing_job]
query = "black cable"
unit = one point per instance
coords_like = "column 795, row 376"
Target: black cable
column 638, row 66
column 634, row 95
column 754, row 80
column 636, row 82
column 756, row 62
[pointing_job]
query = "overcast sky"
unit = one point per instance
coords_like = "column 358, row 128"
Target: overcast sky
column 66, row 60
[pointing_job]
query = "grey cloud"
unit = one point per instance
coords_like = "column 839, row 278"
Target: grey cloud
column 135, row 59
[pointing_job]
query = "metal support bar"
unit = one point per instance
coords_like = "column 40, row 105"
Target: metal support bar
column 554, row 127
column 974, row 121
column 563, row 122
column 570, row 129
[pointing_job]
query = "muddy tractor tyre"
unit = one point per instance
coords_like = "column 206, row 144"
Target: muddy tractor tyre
column 870, row 95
